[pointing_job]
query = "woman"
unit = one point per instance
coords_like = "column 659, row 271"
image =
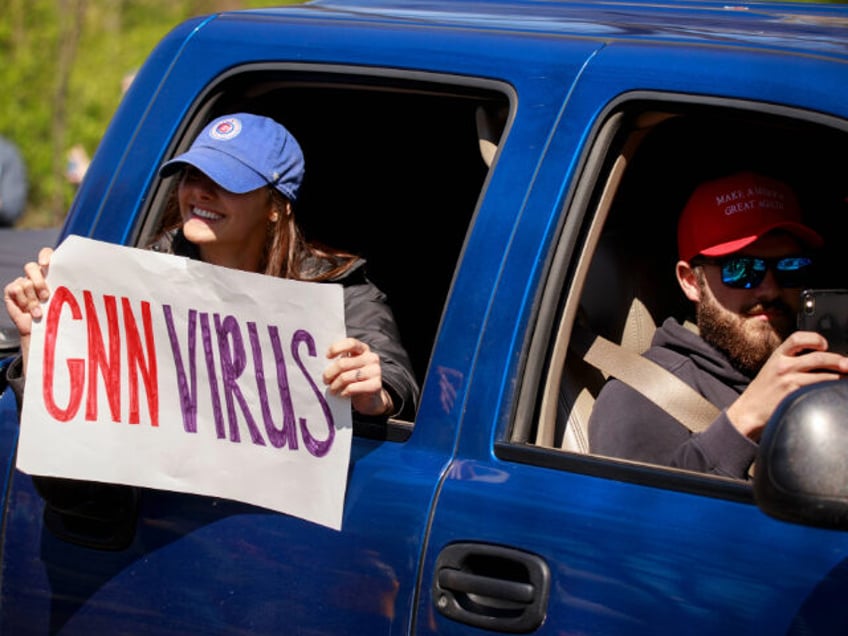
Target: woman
column 237, row 185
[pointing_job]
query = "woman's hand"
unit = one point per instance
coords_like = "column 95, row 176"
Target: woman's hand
column 355, row 372
column 24, row 297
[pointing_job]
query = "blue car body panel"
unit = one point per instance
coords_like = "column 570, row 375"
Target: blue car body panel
column 624, row 557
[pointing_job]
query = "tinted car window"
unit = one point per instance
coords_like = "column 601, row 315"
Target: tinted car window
column 627, row 284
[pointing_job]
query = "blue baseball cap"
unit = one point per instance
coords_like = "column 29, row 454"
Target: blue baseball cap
column 243, row 152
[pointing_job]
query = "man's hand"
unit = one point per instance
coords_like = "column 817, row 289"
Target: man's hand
column 801, row 359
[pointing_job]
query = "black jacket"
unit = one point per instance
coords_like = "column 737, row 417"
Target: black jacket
column 628, row 425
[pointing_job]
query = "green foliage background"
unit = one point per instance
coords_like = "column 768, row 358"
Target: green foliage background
column 62, row 63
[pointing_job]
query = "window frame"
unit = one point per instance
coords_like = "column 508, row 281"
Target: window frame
column 258, row 79
column 578, row 233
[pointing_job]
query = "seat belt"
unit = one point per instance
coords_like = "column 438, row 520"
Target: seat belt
column 656, row 383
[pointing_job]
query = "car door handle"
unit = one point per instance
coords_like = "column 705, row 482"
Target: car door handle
column 507, row 591
column 492, row 587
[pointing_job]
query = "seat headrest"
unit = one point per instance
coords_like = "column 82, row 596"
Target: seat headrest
column 490, row 126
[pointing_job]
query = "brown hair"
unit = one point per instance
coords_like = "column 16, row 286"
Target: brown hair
column 290, row 255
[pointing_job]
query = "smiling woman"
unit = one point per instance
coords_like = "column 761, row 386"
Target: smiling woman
column 239, row 181
column 229, row 229
column 237, row 185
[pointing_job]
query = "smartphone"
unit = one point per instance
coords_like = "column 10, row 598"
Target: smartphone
column 826, row 311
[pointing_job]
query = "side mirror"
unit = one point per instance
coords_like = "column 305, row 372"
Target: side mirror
column 801, row 472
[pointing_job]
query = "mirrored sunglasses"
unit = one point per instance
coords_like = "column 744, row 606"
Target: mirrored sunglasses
column 748, row 272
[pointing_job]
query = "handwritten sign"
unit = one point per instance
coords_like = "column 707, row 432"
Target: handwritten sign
column 159, row 371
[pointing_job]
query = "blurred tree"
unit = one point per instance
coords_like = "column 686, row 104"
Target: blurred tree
column 70, row 32
column 64, row 63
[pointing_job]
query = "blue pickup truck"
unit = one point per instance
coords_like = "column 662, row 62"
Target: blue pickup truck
column 511, row 170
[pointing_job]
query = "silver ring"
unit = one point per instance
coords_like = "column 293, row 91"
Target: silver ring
column 358, row 373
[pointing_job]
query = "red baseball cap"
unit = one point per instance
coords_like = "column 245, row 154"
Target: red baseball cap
column 726, row 215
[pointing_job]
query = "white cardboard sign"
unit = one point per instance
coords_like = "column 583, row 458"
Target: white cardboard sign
column 162, row 372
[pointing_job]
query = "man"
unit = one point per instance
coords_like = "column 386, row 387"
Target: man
column 744, row 258
column 13, row 183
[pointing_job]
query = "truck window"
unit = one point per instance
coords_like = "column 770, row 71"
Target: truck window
column 621, row 284
column 394, row 170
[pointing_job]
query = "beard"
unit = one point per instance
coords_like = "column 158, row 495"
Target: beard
column 747, row 342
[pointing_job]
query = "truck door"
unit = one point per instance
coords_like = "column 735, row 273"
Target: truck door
column 534, row 532
column 84, row 558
